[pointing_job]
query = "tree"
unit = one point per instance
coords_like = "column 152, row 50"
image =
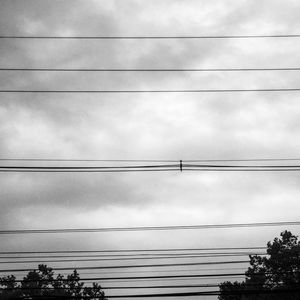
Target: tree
column 275, row 276
column 43, row 284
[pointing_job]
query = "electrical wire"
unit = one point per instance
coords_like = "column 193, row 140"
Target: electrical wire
column 181, row 37
column 148, row 160
column 238, row 166
column 154, row 277
column 180, row 166
column 133, row 250
column 243, row 170
column 88, row 160
column 90, row 167
column 206, row 285
column 142, row 271
column 119, row 259
column 147, row 277
column 140, row 255
column 148, row 70
column 185, row 294
column 133, row 266
column 176, row 279
column 151, row 91
column 150, row 228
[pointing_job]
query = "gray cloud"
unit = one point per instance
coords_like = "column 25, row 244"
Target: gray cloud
column 160, row 126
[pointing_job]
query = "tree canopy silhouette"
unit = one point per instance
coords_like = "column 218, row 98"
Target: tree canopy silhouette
column 275, row 276
column 43, row 284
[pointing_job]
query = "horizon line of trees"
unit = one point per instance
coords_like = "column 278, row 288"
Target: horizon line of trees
column 272, row 277
column 43, row 284
column 275, row 276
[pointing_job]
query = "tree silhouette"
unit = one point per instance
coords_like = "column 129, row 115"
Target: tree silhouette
column 43, row 284
column 275, row 276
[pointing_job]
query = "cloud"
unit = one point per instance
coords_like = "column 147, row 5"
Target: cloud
column 148, row 126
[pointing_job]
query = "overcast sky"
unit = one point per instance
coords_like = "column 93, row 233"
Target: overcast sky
column 148, row 126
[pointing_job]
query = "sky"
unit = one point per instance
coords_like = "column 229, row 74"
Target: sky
column 148, row 126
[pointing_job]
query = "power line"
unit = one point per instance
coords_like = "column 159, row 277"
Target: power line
column 148, row 228
column 185, row 294
column 160, row 265
column 159, row 167
column 282, row 291
column 150, row 170
column 109, row 272
column 156, row 277
column 181, row 37
column 151, row 91
column 88, row 160
column 147, row 160
column 118, row 287
column 243, row 170
column 139, row 255
column 237, row 166
column 213, row 293
column 91, row 171
column 241, row 160
column 134, row 250
column 112, row 168
column 124, row 287
column 178, row 279
column 148, row 70
column 122, row 259
column 214, row 167
column 87, row 170
column 147, row 277
column 89, row 167
column 180, row 286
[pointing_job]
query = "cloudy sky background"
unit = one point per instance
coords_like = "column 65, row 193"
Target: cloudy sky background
column 148, row 126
